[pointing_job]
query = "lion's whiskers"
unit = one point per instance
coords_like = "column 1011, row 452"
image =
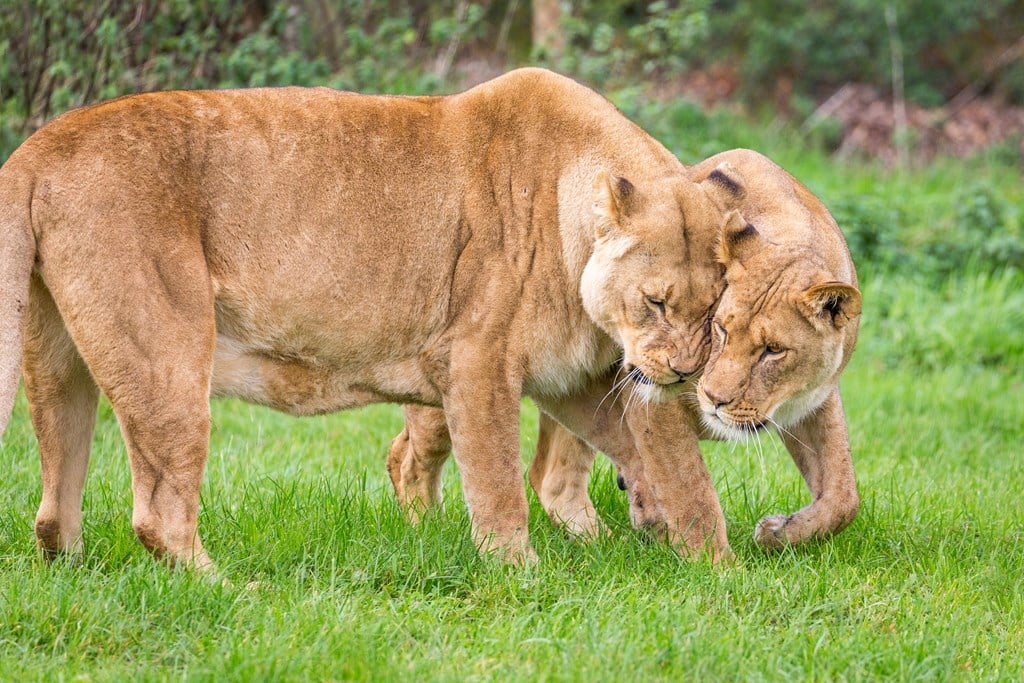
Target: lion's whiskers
column 788, row 433
column 647, row 411
column 629, row 397
column 628, row 382
column 691, row 399
column 617, row 383
column 636, row 395
column 751, row 430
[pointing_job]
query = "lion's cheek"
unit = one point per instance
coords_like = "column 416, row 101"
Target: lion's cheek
column 606, row 309
column 632, row 348
column 805, row 389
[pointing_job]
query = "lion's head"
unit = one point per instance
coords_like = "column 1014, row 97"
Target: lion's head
column 652, row 281
column 787, row 321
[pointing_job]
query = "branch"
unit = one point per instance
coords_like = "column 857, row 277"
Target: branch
column 445, row 65
column 827, row 108
column 506, row 26
column 973, row 89
column 899, row 104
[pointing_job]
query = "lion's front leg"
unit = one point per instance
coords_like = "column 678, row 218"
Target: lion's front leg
column 678, row 480
column 820, row 448
column 657, row 451
column 482, row 411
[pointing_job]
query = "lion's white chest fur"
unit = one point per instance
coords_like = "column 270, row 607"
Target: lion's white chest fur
column 565, row 360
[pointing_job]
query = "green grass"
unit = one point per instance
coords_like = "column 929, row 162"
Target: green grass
column 923, row 585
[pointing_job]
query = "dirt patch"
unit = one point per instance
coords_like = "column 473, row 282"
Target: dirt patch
column 868, row 125
column 867, row 117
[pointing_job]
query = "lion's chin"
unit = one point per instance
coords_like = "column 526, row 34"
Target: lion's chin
column 658, row 393
column 726, row 431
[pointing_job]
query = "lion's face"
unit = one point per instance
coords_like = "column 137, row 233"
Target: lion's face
column 780, row 337
column 652, row 282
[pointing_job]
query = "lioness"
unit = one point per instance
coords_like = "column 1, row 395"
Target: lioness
column 782, row 334
column 313, row 250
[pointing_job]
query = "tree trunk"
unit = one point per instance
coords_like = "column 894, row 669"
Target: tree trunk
column 548, row 38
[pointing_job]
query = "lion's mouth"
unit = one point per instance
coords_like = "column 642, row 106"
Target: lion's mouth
column 732, row 419
column 636, row 375
column 727, row 426
column 640, row 378
column 651, row 390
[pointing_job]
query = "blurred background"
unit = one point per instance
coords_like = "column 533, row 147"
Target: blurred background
column 899, row 81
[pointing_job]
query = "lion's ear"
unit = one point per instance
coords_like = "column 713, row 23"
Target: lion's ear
column 725, row 186
column 613, row 196
column 738, row 240
column 831, row 303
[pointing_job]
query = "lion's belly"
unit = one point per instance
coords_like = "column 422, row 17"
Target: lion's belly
column 313, row 385
column 323, row 342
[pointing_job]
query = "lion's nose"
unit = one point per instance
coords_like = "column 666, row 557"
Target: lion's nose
column 684, row 374
column 716, row 400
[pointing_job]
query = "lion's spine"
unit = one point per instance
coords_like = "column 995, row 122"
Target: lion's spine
column 17, row 254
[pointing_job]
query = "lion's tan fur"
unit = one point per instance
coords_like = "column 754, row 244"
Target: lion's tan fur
column 784, row 330
column 791, row 283
column 313, row 250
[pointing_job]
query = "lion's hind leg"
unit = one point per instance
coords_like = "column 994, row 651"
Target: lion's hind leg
column 417, row 457
column 559, row 474
column 142, row 319
column 62, row 398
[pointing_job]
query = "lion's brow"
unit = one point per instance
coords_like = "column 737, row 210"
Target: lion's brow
column 773, row 285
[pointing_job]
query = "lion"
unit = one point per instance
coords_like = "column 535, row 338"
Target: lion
column 314, row 250
column 784, row 329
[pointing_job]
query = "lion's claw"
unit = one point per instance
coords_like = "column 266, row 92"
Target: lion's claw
column 770, row 532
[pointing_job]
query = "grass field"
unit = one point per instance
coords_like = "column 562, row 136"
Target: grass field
column 926, row 583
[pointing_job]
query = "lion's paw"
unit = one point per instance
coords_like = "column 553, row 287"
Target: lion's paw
column 584, row 526
column 770, row 532
column 516, row 552
column 514, row 557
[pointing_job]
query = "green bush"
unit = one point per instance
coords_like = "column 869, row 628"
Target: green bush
column 615, row 42
column 816, row 48
column 63, row 54
column 57, row 55
column 982, row 235
column 975, row 318
column 871, row 226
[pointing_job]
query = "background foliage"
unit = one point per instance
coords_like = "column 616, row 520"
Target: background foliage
column 818, row 46
column 55, row 54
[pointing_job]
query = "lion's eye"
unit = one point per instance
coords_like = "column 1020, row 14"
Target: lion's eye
column 773, row 350
column 720, row 330
column 656, row 304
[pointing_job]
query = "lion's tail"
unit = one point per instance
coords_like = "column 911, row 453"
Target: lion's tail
column 17, row 255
